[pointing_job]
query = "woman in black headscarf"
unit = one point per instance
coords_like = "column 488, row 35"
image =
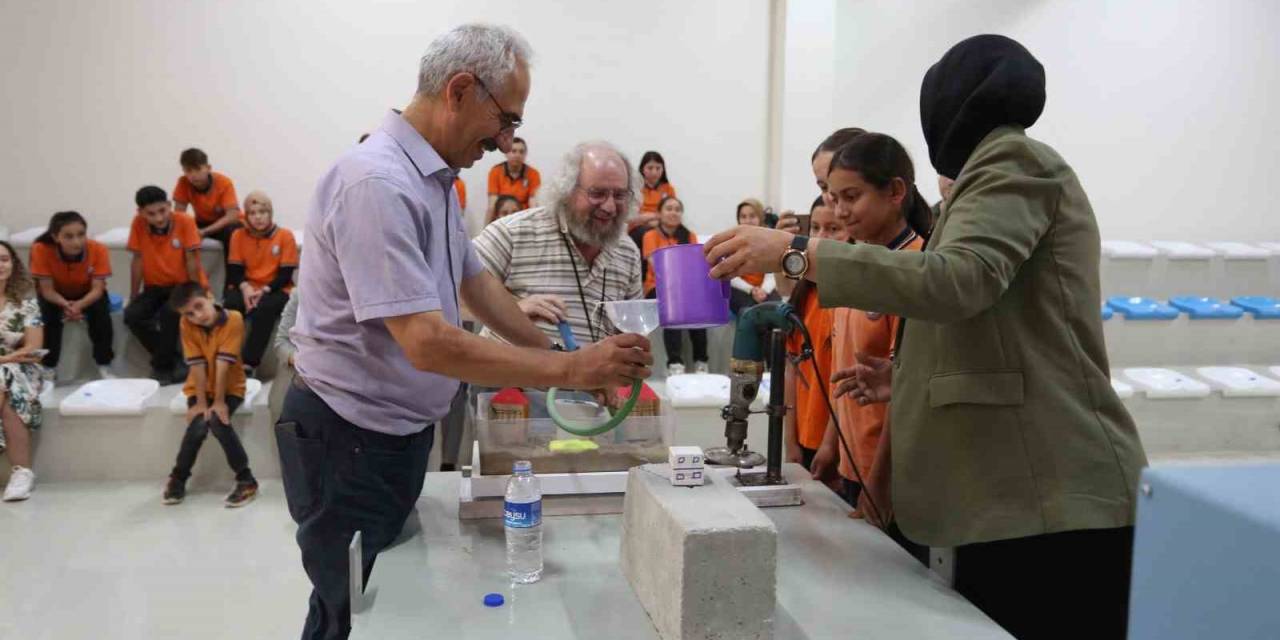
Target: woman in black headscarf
column 1008, row 441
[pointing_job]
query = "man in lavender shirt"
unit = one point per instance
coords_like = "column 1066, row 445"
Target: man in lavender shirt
column 380, row 352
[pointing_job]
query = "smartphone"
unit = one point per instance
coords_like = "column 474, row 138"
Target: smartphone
column 804, row 220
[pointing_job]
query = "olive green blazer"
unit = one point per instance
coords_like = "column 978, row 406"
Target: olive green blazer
column 1003, row 420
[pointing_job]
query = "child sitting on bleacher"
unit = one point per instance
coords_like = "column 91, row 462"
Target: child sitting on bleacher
column 260, row 274
column 215, row 388
column 165, row 247
column 212, row 197
column 71, row 274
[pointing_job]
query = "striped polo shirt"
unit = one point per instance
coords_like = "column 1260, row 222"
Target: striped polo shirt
column 528, row 253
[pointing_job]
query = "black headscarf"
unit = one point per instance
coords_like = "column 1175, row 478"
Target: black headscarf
column 980, row 84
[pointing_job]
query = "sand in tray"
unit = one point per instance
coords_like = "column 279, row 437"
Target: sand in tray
column 609, row 457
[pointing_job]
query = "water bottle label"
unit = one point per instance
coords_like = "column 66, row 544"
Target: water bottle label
column 522, row 515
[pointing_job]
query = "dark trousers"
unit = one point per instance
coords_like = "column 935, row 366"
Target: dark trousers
column 806, row 457
column 223, row 236
column 155, row 325
column 199, row 428
column 97, row 318
column 262, row 321
column 339, row 479
column 672, row 340
column 1073, row 584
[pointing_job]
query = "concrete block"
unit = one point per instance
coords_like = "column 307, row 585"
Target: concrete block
column 702, row 560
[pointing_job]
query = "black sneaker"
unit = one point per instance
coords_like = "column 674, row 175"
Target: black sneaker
column 175, row 491
column 243, row 494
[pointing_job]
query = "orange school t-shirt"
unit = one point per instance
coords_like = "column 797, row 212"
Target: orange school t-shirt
column 211, row 204
column 461, row 188
column 855, row 332
column 522, row 187
column 208, row 345
column 655, row 239
column 164, row 253
column 72, row 278
column 262, row 255
column 811, row 410
column 651, row 197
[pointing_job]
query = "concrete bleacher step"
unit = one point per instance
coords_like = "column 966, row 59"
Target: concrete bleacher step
column 1190, row 410
column 107, row 446
column 1164, row 268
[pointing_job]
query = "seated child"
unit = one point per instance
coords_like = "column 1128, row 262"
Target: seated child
column 212, row 197
column 260, row 274
column 670, row 232
column 71, row 273
column 215, row 386
column 165, row 247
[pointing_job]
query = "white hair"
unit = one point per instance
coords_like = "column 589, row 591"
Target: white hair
column 491, row 52
column 559, row 191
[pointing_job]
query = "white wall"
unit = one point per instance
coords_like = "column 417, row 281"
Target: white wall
column 809, row 113
column 1165, row 108
column 100, row 97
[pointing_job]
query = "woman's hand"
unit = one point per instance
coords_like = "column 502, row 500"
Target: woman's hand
column 788, row 222
column 744, row 250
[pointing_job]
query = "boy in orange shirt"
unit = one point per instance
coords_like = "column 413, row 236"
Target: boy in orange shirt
column 71, row 273
column 215, row 387
column 514, row 178
column 212, row 197
column 260, row 274
column 807, row 422
column 165, row 247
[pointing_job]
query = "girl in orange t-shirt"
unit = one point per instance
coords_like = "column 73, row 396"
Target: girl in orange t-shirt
column 260, row 274
column 71, row 274
column 653, row 172
column 871, row 183
column 807, row 422
column 670, row 232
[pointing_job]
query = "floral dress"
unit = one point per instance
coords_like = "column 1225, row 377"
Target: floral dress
column 20, row 381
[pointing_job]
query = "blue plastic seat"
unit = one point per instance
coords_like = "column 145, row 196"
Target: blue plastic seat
column 1141, row 308
column 1107, row 312
column 1261, row 307
column 1206, row 308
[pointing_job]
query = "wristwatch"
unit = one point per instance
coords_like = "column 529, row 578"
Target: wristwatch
column 794, row 261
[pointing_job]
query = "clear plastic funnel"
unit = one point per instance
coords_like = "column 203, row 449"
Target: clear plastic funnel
column 633, row 316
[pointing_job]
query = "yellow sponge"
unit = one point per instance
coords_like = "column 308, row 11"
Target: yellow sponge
column 572, row 446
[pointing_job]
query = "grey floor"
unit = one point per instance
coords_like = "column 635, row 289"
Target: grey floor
column 108, row 560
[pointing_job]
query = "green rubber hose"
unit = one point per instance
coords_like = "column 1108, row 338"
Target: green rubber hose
column 587, row 431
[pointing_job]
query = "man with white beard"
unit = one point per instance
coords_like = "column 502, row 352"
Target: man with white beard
column 562, row 260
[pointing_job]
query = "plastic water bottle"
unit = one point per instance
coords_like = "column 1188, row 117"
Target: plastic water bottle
column 522, row 514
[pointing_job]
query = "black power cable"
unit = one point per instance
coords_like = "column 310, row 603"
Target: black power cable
column 826, row 397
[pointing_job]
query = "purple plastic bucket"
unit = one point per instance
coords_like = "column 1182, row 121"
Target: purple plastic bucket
column 688, row 298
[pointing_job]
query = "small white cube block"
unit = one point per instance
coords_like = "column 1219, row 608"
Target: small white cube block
column 687, row 477
column 685, row 457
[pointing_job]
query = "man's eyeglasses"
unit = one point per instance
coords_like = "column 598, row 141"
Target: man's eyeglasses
column 507, row 119
column 598, row 196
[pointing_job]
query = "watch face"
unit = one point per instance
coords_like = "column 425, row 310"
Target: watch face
column 793, row 263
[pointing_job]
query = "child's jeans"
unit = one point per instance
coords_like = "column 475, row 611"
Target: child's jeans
column 199, row 429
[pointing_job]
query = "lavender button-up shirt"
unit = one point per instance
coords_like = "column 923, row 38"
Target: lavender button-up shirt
column 384, row 238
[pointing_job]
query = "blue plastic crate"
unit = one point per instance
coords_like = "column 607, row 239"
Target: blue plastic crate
column 1142, row 308
column 1260, row 306
column 1206, row 308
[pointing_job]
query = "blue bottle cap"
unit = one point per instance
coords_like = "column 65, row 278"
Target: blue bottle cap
column 522, row 466
column 493, row 600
